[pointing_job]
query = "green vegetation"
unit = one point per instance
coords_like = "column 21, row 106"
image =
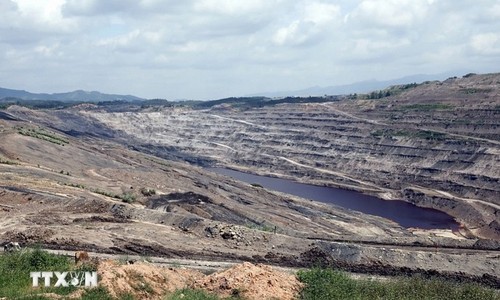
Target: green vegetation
column 43, row 135
column 64, row 173
column 331, row 284
column 75, row 185
column 148, row 192
column 99, row 293
column 7, row 162
column 379, row 94
column 195, row 294
column 14, row 272
column 15, row 282
column 262, row 227
column 104, row 193
column 190, row 294
column 125, row 197
column 37, row 104
column 319, row 283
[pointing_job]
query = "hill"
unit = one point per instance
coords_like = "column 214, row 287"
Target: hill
column 75, row 96
column 130, row 179
column 357, row 87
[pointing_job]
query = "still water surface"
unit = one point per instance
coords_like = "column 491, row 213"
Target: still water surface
column 404, row 213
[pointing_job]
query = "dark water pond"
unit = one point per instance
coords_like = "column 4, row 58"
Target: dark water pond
column 404, row 213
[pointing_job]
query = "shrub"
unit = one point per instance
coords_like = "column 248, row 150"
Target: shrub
column 99, row 293
column 190, row 294
column 148, row 192
column 8, row 162
column 332, row 284
column 127, row 197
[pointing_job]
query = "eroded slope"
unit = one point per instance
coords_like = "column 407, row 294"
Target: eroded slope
column 436, row 145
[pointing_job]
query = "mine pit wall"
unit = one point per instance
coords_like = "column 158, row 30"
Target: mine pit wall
column 320, row 139
column 399, row 262
column 391, row 157
column 480, row 218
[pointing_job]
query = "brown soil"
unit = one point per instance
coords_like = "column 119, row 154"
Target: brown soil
column 144, row 280
column 69, row 196
column 147, row 281
column 252, row 282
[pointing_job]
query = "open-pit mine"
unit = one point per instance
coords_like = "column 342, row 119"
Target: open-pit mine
column 175, row 180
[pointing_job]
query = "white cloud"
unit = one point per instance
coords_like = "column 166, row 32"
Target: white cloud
column 218, row 48
column 97, row 7
column 314, row 20
column 321, row 13
column 486, row 43
column 391, row 13
column 46, row 14
column 231, row 7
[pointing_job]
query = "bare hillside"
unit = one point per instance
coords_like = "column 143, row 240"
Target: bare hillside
column 129, row 180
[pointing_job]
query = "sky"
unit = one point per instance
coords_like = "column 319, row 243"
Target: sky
column 209, row 49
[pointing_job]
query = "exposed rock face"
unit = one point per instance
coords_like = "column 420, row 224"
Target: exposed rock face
column 87, row 193
column 440, row 138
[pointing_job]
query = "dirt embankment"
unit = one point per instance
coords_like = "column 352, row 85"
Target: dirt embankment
column 249, row 281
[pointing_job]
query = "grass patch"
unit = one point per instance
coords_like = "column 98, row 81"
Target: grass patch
column 15, row 268
column 191, row 294
column 262, row 227
column 43, row 135
column 104, row 193
column 75, row 185
column 332, row 284
column 64, row 173
column 99, row 293
column 148, row 192
column 196, row 294
column 125, row 197
column 8, row 162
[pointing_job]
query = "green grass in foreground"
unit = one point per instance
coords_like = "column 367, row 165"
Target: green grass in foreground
column 195, row 294
column 330, row 284
column 190, row 294
column 15, row 268
column 15, row 283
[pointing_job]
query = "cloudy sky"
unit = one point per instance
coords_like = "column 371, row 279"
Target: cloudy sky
column 202, row 49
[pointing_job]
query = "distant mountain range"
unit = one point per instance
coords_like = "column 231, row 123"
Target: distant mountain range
column 358, row 87
column 76, row 96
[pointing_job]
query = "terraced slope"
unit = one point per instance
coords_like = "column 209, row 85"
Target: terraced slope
column 83, row 178
column 436, row 145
